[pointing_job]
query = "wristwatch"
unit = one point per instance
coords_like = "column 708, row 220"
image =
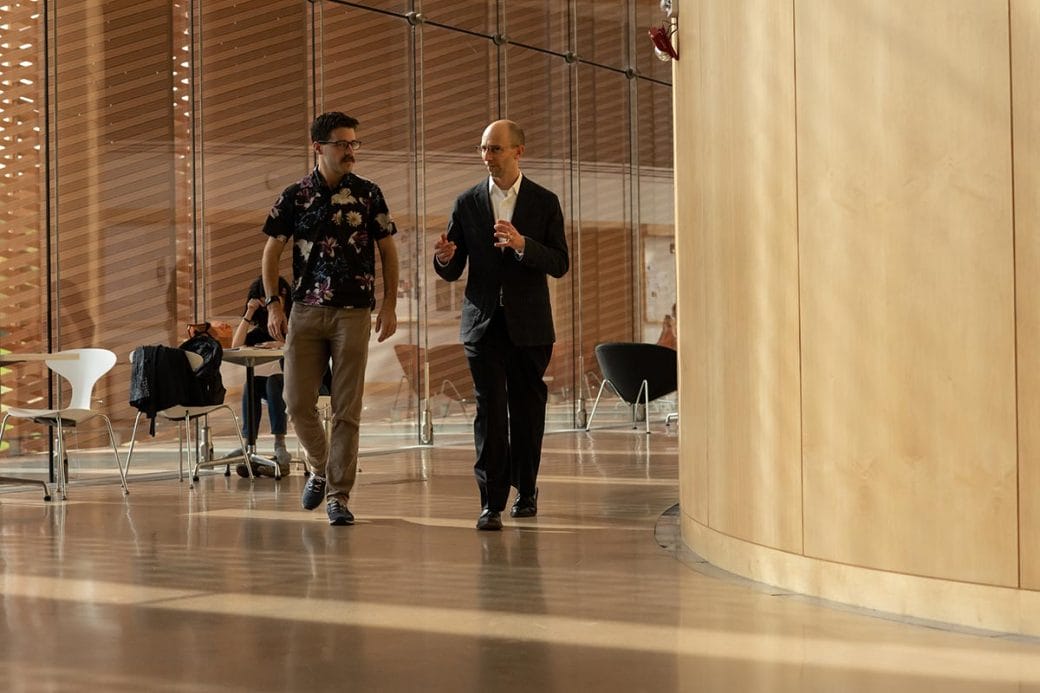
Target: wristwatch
column 272, row 299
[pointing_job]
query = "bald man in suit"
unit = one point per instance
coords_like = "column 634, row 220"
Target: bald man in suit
column 510, row 230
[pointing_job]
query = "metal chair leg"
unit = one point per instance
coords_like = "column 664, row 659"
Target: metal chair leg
column 241, row 446
column 59, row 450
column 133, row 441
column 17, row 480
column 644, row 390
column 588, row 424
column 187, row 434
column 115, row 453
column 180, row 450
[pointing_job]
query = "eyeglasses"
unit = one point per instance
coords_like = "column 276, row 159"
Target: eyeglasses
column 343, row 144
column 494, row 148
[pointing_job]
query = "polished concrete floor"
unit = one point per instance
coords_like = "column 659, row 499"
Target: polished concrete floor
column 232, row 587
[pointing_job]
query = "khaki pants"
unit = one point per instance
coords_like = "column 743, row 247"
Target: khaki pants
column 316, row 334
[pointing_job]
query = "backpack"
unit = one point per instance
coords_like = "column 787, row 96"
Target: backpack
column 159, row 378
column 207, row 387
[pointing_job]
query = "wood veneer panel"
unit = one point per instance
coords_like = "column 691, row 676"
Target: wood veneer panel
column 907, row 290
column 740, row 372
column 1025, row 73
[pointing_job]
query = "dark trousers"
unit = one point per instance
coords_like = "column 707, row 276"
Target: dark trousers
column 510, row 421
column 267, row 387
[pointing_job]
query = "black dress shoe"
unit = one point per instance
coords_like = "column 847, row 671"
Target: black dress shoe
column 525, row 506
column 489, row 521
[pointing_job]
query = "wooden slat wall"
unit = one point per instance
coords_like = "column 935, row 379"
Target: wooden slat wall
column 23, row 277
column 175, row 133
column 255, row 112
column 114, row 182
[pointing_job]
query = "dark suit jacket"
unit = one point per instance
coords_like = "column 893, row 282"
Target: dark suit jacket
column 523, row 284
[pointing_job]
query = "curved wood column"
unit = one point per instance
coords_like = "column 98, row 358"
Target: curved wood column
column 859, row 299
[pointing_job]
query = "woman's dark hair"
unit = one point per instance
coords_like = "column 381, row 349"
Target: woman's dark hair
column 256, row 290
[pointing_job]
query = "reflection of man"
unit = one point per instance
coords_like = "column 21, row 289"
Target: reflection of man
column 336, row 220
column 510, row 229
column 502, row 560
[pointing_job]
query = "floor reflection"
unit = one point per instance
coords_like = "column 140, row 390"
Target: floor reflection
column 231, row 586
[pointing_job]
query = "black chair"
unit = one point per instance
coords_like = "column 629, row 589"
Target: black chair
column 639, row 373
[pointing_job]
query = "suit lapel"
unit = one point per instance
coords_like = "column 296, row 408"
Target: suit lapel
column 484, row 199
column 484, row 230
column 523, row 204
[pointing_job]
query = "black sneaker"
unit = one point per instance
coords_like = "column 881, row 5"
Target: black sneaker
column 338, row 513
column 313, row 492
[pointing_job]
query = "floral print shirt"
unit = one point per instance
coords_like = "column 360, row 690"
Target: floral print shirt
column 334, row 234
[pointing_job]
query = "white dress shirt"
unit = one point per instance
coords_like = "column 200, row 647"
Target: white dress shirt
column 503, row 202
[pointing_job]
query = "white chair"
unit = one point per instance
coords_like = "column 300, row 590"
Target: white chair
column 186, row 415
column 82, row 373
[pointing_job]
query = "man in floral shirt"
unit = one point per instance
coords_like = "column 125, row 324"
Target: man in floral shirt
column 336, row 220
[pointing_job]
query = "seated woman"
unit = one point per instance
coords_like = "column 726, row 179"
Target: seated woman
column 669, row 336
column 251, row 331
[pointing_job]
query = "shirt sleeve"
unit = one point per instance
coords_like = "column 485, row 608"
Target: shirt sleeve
column 381, row 224
column 279, row 221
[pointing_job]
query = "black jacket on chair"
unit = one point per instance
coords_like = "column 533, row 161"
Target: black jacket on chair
column 160, row 377
column 521, row 283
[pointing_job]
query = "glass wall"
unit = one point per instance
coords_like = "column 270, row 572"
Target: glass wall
column 142, row 143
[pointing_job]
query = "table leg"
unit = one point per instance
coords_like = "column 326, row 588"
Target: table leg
column 251, row 455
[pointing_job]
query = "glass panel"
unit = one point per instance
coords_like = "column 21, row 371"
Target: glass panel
column 254, row 85
column 399, row 6
column 648, row 13
column 607, row 264
column 460, row 97
column 480, row 17
column 538, row 23
column 603, row 141
column 23, row 232
column 378, row 92
column 537, row 98
column 115, row 187
column 253, row 131
column 656, row 210
column 175, row 132
column 654, row 125
column 538, row 85
column 600, row 32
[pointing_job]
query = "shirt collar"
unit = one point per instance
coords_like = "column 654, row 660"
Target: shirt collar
column 320, row 182
column 514, row 188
